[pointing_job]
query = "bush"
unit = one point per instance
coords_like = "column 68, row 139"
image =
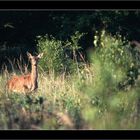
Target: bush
column 114, row 50
column 59, row 56
column 109, row 106
column 116, row 55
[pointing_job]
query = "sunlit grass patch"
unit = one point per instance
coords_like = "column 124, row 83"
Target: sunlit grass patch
column 101, row 95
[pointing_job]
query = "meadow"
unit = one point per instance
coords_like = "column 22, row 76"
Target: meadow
column 74, row 94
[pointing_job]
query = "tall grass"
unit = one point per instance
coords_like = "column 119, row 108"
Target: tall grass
column 92, row 97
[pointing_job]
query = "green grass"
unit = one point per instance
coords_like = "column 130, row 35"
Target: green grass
column 55, row 98
column 104, row 95
column 70, row 102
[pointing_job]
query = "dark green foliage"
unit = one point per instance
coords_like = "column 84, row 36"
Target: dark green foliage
column 103, row 94
column 22, row 27
column 59, row 56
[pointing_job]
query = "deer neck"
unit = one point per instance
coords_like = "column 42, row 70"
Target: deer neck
column 34, row 76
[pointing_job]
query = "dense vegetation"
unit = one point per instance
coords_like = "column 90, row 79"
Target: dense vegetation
column 88, row 76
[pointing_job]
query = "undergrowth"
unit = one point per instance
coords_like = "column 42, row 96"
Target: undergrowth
column 102, row 95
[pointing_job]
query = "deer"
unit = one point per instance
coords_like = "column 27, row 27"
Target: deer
column 26, row 83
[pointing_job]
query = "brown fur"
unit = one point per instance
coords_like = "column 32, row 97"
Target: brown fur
column 25, row 83
column 19, row 83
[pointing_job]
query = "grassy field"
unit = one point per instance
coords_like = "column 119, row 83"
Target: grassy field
column 78, row 101
column 102, row 95
column 55, row 105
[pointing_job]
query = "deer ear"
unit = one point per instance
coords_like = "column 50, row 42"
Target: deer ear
column 40, row 55
column 29, row 55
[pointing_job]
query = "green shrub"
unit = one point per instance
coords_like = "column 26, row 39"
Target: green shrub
column 116, row 55
column 109, row 106
column 114, row 50
column 59, row 56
